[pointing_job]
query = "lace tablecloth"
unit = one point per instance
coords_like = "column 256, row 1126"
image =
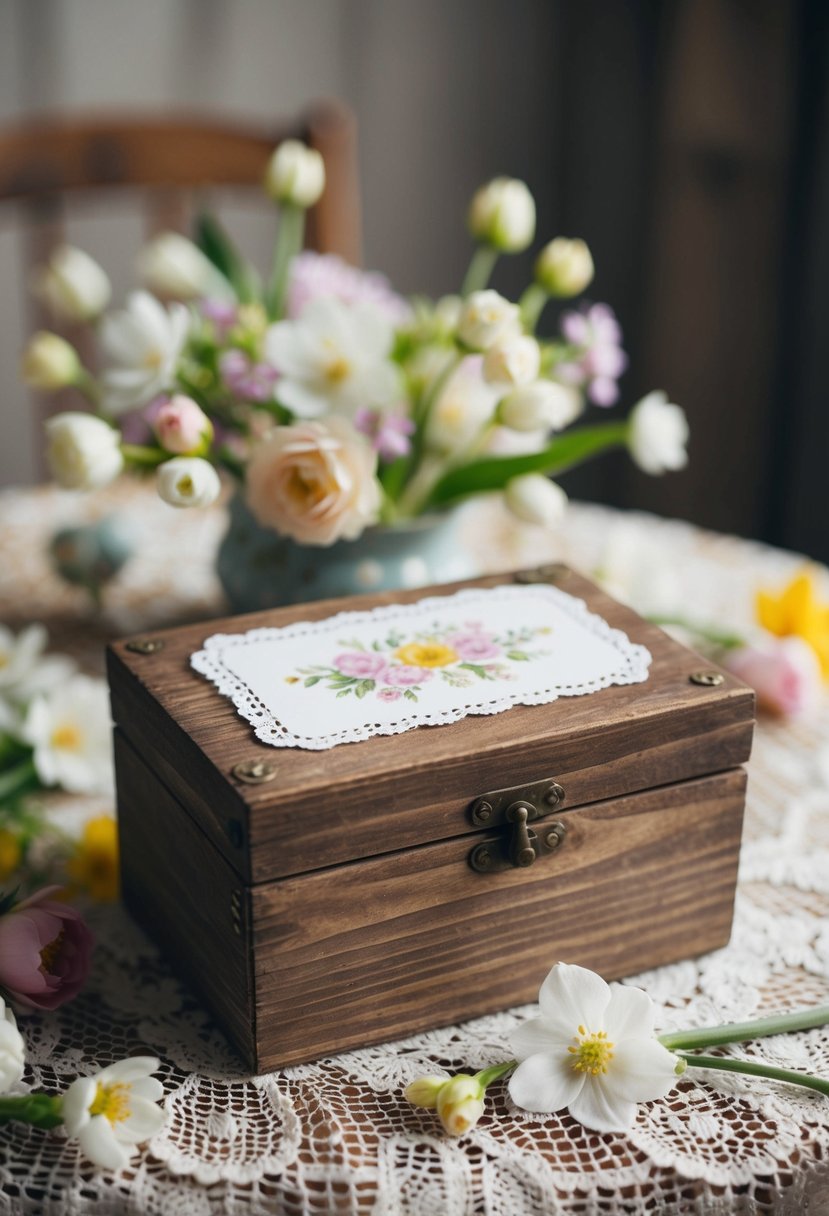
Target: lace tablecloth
column 337, row 1136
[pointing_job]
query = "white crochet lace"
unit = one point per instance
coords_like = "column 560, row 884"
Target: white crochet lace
column 338, row 1137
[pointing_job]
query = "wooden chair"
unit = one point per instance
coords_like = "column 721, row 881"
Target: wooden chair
column 46, row 162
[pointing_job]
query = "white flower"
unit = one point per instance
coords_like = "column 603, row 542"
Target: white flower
column 513, row 361
column 488, row 318
column 72, row 285
column 172, row 265
column 115, row 1110
column 295, row 174
column 564, row 267
column 460, row 1104
column 535, row 499
column 658, row 434
column 502, row 214
column 144, row 342
column 188, row 481
column 24, row 670
column 542, row 406
column 335, row 357
column 12, row 1050
column 49, row 362
column 69, row 729
column 83, row 451
column 463, row 407
column 592, row 1050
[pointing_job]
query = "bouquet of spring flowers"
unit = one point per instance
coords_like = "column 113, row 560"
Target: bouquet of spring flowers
column 338, row 404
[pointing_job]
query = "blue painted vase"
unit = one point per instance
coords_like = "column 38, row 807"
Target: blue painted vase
column 258, row 568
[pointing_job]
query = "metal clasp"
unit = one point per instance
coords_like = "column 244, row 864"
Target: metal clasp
column 515, row 809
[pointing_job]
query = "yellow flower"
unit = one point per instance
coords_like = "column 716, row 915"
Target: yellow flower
column 426, row 654
column 94, row 865
column 797, row 612
column 10, row 853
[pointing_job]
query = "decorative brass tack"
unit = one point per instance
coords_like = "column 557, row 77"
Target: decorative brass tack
column 554, row 795
column 555, row 836
column 709, row 679
column 254, row 772
column 481, row 858
column 553, row 572
column 145, row 645
column 481, row 811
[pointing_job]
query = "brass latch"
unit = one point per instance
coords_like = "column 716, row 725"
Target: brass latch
column 515, row 809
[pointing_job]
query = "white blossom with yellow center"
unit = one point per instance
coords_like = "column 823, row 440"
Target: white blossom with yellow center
column 143, row 343
column 333, row 359
column 113, row 1112
column 593, row 1050
column 69, row 730
column 24, row 669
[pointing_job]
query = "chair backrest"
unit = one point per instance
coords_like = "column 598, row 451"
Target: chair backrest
column 45, row 162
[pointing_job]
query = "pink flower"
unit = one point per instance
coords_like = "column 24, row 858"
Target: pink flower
column 246, row 379
column 45, row 951
column 474, row 646
column 324, row 274
column 389, row 694
column 403, row 676
column 600, row 361
column 222, row 313
column 784, row 673
column 389, row 433
column 364, row 666
column 182, row 427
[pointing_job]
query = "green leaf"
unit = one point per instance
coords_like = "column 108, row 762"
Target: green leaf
column 217, row 246
column 518, row 656
column 343, row 693
column 364, row 687
column 312, row 680
column 481, row 672
column 409, row 695
column 493, row 472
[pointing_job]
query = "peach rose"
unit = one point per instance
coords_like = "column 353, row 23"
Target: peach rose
column 315, row 482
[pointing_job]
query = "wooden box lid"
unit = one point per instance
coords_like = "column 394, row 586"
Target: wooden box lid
column 389, row 793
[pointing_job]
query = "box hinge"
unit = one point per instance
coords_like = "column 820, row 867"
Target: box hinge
column 513, row 810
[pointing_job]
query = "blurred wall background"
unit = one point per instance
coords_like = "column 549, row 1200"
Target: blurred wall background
column 686, row 140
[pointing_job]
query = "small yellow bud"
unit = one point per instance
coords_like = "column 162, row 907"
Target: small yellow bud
column 424, row 1091
column 564, row 267
column 49, row 362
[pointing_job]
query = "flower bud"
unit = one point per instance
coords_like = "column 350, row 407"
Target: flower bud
column 173, row 266
column 535, row 499
column 72, row 285
column 564, row 267
column 658, row 435
column 295, row 174
column 424, row 1091
column 502, row 214
column 49, row 362
column 542, row 406
column 514, row 361
column 460, row 1104
column 182, row 427
column 487, row 318
column 83, row 451
column 188, row 481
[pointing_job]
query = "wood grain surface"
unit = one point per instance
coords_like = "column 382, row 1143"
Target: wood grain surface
column 390, row 793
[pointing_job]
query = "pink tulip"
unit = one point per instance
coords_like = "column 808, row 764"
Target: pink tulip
column 45, row 951
column 784, row 673
column 182, row 427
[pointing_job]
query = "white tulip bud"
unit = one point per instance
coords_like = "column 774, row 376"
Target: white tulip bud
column 83, row 451
column 460, row 1104
column 514, row 361
column 658, row 434
column 488, row 318
column 49, row 362
column 295, row 174
column 188, row 481
column 542, row 406
column 72, row 285
column 564, row 267
column 502, row 214
column 535, row 499
column 424, row 1091
column 172, row 265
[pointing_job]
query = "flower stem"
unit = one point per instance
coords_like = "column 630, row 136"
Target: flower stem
column 725, row 641
column 39, row 1110
column 138, row 454
column 480, row 269
column 531, row 305
column 741, row 1032
column 289, row 237
column 487, row 1075
column 15, row 780
column 729, row 1064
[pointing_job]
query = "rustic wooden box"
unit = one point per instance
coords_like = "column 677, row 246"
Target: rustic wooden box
column 335, row 905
